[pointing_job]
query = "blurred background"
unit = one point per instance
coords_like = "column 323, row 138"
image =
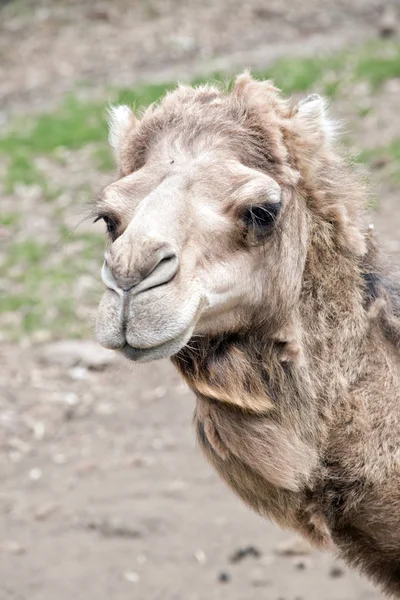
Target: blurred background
column 104, row 494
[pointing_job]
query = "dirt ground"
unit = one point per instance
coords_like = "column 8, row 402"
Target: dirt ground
column 104, row 494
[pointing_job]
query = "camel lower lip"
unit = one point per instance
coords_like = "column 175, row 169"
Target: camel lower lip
column 164, row 350
column 138, row 354
column 134, row 353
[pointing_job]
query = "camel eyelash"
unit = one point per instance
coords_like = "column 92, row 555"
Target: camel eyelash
column 261, row 218
column 111, row 223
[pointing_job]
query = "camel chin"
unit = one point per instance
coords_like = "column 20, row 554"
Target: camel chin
column 164, row 350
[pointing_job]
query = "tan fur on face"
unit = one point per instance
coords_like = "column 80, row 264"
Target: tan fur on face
column 292, row 340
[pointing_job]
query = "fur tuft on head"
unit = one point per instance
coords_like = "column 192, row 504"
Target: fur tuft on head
column 312, row 119
column 120, row 118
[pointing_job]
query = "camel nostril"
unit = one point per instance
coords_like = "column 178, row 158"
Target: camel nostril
column 151, row 270
column 109, row 279
column 165, row 261
column 162, row 272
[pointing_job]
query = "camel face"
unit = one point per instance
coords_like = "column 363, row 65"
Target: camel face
column 207, row 221
column 189, row 233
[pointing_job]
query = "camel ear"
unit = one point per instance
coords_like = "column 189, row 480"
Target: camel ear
column 312, row 119
column 120, row 120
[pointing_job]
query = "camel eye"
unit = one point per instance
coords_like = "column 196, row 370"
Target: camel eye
column 261, row 218
column 111, row 224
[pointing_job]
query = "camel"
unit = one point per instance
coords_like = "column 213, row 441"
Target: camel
column 239, row 247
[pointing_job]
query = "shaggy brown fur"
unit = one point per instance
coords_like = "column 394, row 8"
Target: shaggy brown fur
column 313, row 444
column 298, row 409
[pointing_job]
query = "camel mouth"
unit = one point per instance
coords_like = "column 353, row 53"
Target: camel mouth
column 164, row 350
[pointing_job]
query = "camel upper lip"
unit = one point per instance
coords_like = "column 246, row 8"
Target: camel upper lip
column 165, row 349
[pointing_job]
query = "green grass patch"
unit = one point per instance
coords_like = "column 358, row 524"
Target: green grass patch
column 8, row 219
column 299, row 74
column 374, row 63
column 22, row 170
column 42, row 278
column 103, row 158
column 77, row 123
column 378, row 63
column 384, row 157
column 142, row 95
column 26, row 253
column 56, row 314
column 73, row 125
column 364, row 111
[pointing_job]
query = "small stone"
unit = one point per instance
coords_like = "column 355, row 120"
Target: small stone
column 70, row 354
column 141, row 559
column 265, row 13
column 41, row 336
column 156, row 393
column 139, row 461
column 135, row 461
column 8, row 418
column 84, row 468
column 245, row 552
column 111, row 527
column 35, row 474
column 267, row 560
column 131, row 576
column 59, row 459
column 78, row 373
column 105, row 409
column 177, row 485
column 224, row 577
column 258, row 579
column 19, row 445
column 380, row 162
column 157, row 444
column 13, row 547
column 69, row 413
column 257, row 583
column 98, row 14
column 392, row 86
column 200, row 557
column 43, row 512
column 71, row 399
column 39, row 430
column 294, row 547
column 336, row 572
column 15, row 456
column 388, row 23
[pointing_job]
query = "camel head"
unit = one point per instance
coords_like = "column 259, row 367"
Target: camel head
column 208, row 223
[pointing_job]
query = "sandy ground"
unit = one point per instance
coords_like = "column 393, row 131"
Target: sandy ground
column 104, row 494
